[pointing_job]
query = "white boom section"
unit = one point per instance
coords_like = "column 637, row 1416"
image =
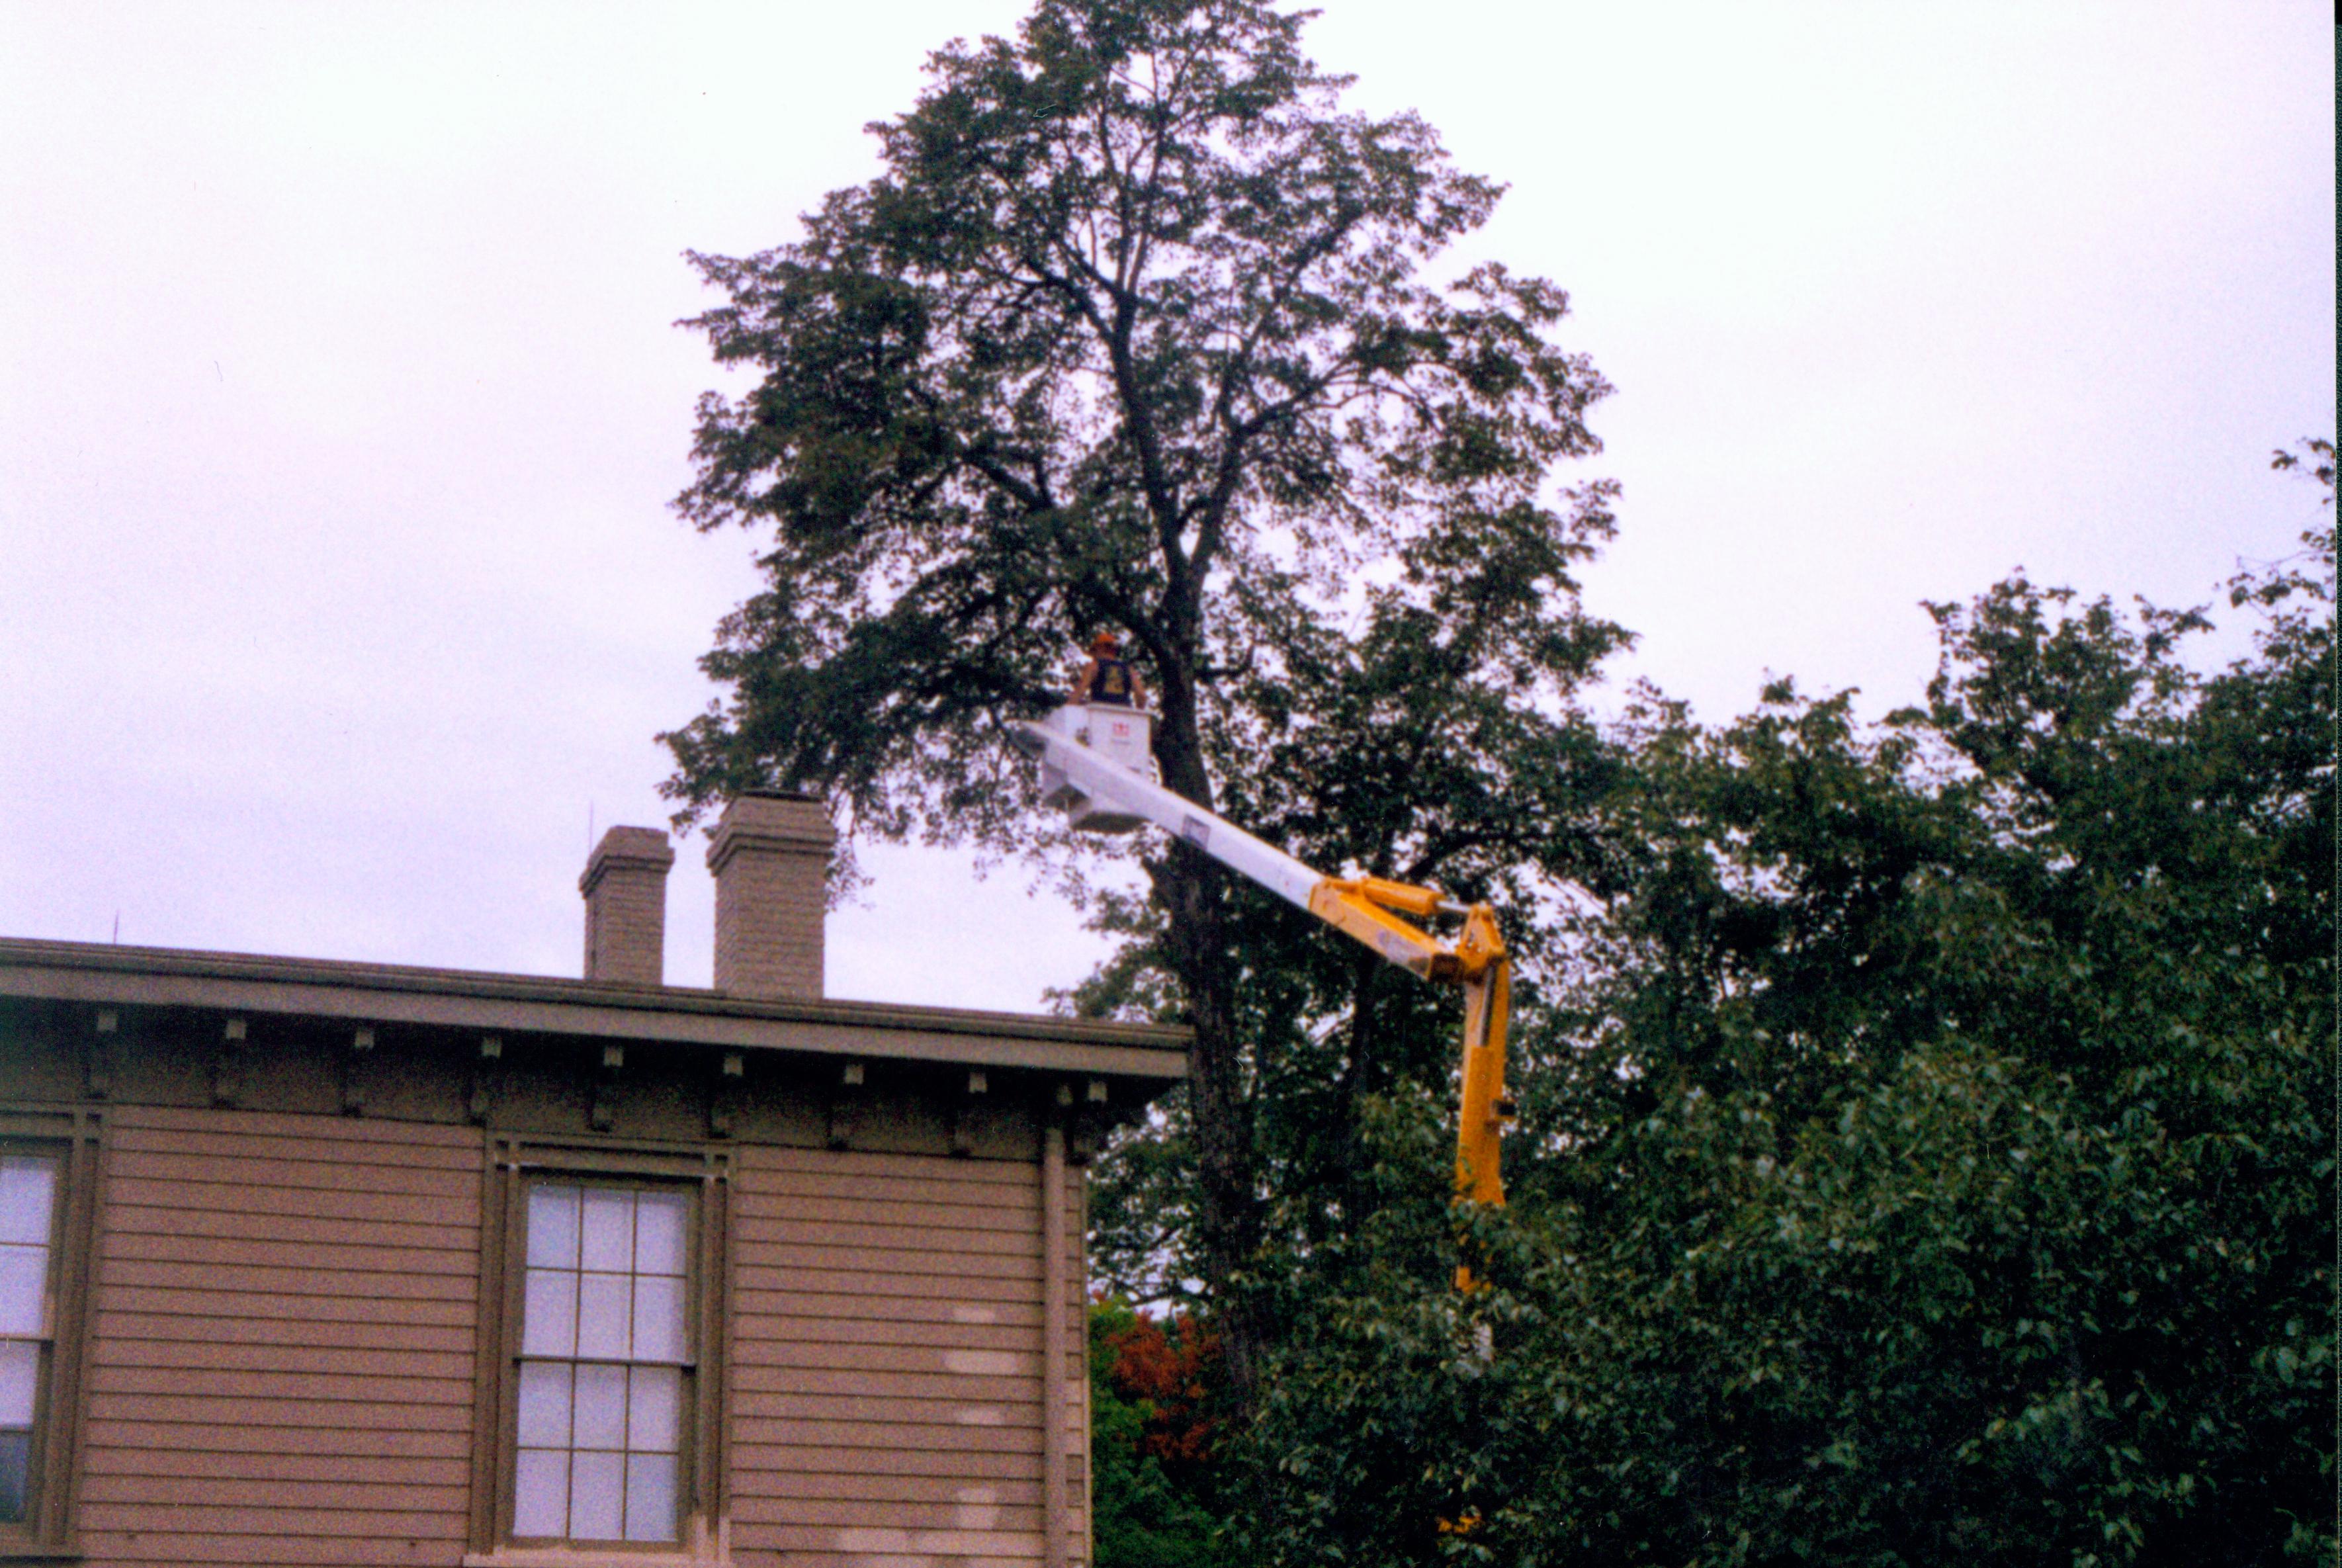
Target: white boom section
column 1176, row 814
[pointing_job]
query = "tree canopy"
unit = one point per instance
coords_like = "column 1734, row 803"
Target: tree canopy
column 1937, row 1165
column 1926, row 1140
column 1140, row 330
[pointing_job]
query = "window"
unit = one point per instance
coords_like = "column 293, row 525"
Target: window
column 48, row 1171
column 599, row 1431
column 30, row 1191
column 605, row 1362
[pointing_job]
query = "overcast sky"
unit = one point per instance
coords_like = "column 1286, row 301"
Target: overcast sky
column 340, row 400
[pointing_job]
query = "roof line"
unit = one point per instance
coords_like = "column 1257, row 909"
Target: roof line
column 691, row 1002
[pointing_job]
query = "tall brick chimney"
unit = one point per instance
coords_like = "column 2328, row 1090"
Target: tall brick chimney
column 771, row 861
column 625, row 886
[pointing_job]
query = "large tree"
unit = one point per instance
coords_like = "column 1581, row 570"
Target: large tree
column 1136, row 330
column 1940, row 1165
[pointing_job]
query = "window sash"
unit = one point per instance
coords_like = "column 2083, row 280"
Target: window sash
column 44, row 1170
column 603, row 1371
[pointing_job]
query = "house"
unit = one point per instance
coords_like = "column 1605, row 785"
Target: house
column 332, row 1262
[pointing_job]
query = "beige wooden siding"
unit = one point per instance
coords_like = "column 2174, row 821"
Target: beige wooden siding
column 885, row 1360
column 280, row 1370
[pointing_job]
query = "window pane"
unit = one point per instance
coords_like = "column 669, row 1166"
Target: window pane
column 602, row 1316
column 609, row 1229
column 658, row 1319
column 603, row 1365
column 20, row 1381
column 658, row 1233
column 553, row 1226
column 548, row 1323
column 544, row 1404
column 15, row 1450
column 650, row 1497
column 24, row 1285
column 597, row 1485
column 655, row 1410
column 541, row 1493
column 601, row 1407
column 28, row 1196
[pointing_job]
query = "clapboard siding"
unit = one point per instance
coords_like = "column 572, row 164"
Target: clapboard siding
column 890, row 1488
column 844, row 1279
column 838, row 1329
column 221, row 1309
column 819, row 1302
column 249, row 1408
column 135, row 1469
column 886, row 1358
column 883, row 1550
column 238, row 1550
column 910, row 1265
column 756, row 1452
column 319, row 1221
column 241, row 1491
column 253, row 1136
column 249, row 1348
column 360, row 1330
column 206, row 1257
column 977, row 1510
column 751, row 1385
column 899, row 1201
column 888, row 1410
column 264, row 1284
column 281, row 1173
column 281, row 1363
column 939, row 1438
column 911, row 1239
column 394, row 1214
column 281, row 1356
column 889, row 1545
column 146, row 1441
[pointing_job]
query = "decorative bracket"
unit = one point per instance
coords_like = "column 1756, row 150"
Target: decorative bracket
column 98, row 1054
column 354, row 1058
column 846, row 1105
column 965, row 1114
column 485, row 1073
column 228, row 1066
column 1082, row 1142
column 605, row 1112
column 724, row 1099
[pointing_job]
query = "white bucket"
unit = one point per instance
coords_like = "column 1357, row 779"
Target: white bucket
column 1125, row 737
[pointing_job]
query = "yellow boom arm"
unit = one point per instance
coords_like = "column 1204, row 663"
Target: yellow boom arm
column 1369, row 908
column 1376, row 912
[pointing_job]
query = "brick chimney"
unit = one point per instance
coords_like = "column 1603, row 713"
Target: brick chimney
column 625, row 886
column 771, row 862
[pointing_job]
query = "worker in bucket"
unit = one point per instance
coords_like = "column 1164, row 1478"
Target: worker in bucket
column 1107, row 678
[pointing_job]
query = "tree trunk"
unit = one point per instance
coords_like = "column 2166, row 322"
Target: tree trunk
column 1193, row 890
column 1365, row 974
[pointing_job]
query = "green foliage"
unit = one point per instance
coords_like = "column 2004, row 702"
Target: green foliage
column 1926, row 1127
column 1145, row 1514
column 1938, row 1167
column 1130, row 332
column 1138, row 329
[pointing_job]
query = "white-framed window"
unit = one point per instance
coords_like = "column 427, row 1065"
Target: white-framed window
column 48, row 1182
column 605, row 1362
column 32, row 1186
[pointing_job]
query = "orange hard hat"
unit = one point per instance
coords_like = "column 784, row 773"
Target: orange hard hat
column 1103, row 643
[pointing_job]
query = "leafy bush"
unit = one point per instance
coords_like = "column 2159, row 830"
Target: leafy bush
column 1151, row 1439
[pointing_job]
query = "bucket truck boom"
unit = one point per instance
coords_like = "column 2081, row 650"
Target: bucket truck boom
column 1104, row 793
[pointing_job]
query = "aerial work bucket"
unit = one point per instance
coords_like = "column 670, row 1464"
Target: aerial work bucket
column 1122, row 735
